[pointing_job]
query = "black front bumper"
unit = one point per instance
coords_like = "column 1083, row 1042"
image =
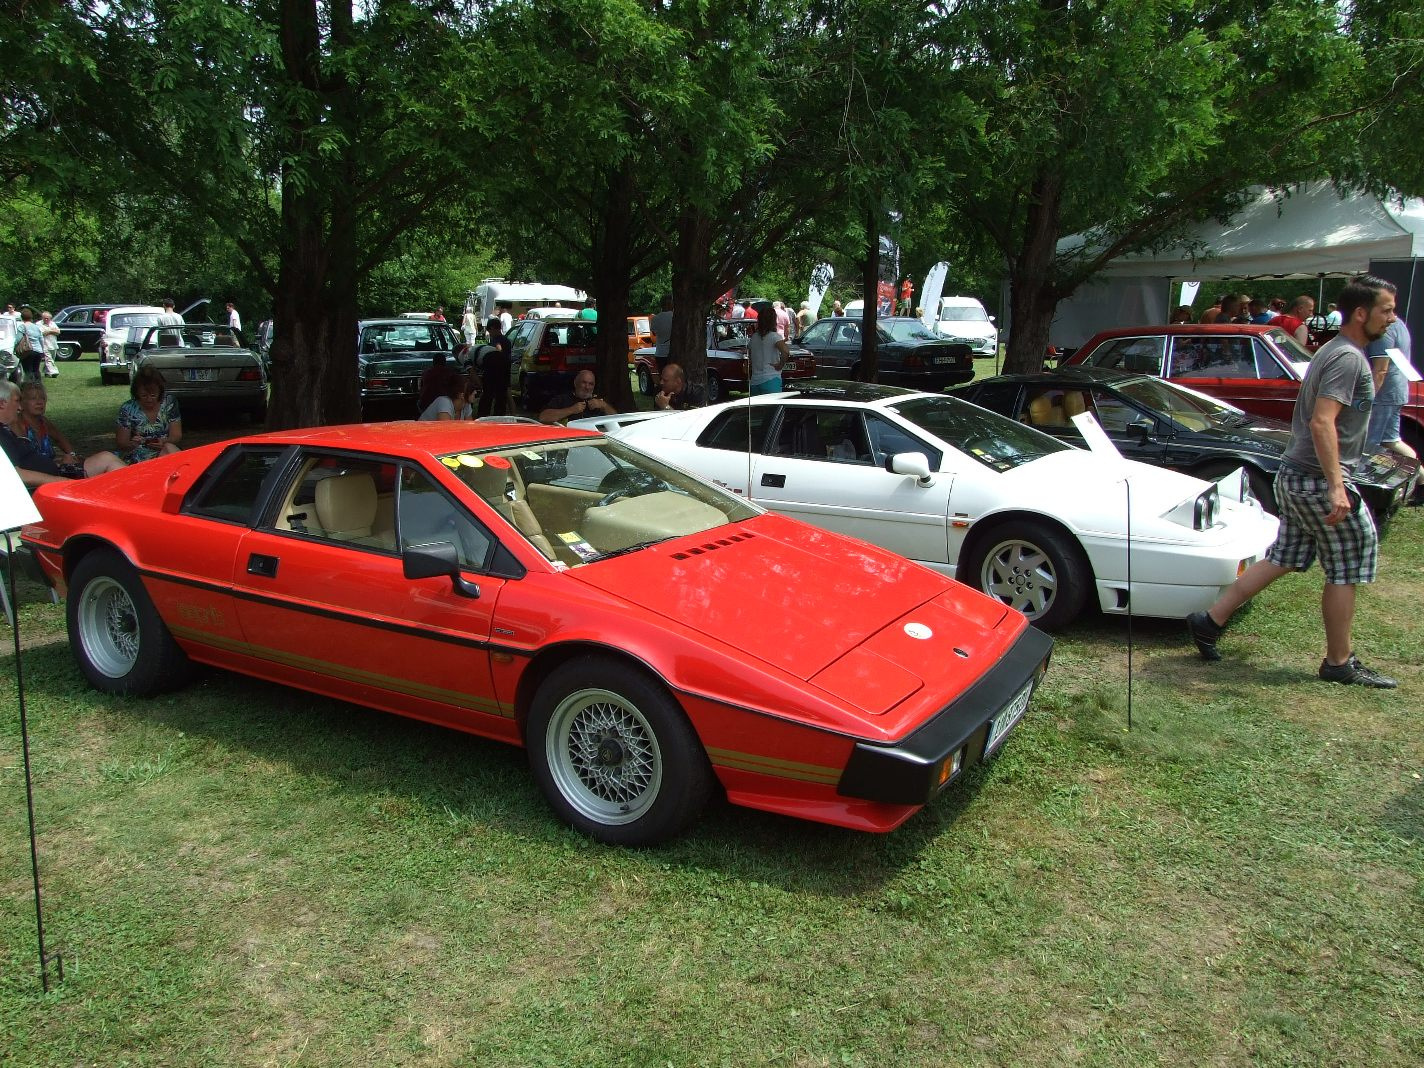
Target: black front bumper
column 913, row 771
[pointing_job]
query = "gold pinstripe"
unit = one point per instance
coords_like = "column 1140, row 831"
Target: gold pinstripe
column 369, row 678
column 784, row 769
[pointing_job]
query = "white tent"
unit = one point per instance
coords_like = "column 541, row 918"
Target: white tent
column 1312, row 232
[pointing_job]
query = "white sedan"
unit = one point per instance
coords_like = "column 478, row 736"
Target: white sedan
column 1023, row 516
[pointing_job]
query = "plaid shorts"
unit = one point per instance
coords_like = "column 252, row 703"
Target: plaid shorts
column 1348, row 551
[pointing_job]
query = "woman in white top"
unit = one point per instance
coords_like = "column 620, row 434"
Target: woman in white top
column 767, row 351
column 451, row 402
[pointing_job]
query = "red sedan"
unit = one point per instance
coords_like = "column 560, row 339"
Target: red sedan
column 649, row 638
column 1256, row 368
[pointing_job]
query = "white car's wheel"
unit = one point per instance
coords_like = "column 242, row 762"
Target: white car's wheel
column 1034, row 569
column 614, row 754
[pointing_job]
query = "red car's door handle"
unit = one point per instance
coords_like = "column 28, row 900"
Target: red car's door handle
column 258, row 564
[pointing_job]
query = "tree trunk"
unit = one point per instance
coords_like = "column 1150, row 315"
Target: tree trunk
column 870, row 287
column 1033, row 296
column 314, row 348
column 612, row 270
column 314, row 379
column 691, row 282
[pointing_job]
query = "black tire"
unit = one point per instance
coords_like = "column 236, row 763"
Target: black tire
column 69, row 351
column 1033, row 568
column 121, row 643
column 716, row 392
column 614, row 754
column 645, row 381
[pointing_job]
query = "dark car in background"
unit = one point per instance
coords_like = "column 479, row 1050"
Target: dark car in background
column 728, row 368
column 907, row 352
column 392, row 354
column 1171, row 426
column 546, row 354
column 81, row 328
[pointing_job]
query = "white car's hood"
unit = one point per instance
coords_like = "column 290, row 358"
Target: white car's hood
column 1095, row 490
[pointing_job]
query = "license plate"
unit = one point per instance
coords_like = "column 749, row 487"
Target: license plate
column 1004, row 722
column 199, row 374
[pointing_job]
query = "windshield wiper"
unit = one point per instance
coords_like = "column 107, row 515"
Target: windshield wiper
column 631, row 548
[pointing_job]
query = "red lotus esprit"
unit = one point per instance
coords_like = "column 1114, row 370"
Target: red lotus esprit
column 648, row 637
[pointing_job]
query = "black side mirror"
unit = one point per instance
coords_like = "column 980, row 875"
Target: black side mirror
column 434, row 559
column 1143, row 428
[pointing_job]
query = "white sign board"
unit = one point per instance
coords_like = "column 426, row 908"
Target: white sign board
column 16, row 507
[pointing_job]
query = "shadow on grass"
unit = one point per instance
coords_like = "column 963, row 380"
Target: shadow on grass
column 417, row 770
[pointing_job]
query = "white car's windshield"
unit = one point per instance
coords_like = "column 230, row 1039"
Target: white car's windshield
column 996, row 442
column 584, row 501
column 964, row 315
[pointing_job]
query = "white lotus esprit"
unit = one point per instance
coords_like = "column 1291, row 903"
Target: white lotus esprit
column 993, row 502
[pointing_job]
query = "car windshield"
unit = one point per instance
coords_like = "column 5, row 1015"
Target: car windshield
column 413, row 336
column 582, row 501
column 1186, row 406
column 998, row 443
column 963, row 315
column 133, row 319
column 909, row 330
column 1293, row 349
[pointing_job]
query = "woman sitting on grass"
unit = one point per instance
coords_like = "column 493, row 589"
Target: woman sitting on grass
column 47, row 438
column 33, row 468
column 149, row 423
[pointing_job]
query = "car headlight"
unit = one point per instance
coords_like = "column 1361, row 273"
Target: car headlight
column 1204, row 511
column 115, row 350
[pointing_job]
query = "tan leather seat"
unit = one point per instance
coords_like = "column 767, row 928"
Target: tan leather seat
column 346, row 506
column 492, row 484
column 1074, row 403
column 1043, row 412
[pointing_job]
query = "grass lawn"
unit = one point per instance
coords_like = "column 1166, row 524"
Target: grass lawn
column 243, row 874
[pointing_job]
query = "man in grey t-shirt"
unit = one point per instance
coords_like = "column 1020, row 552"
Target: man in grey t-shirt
column 1321, row 513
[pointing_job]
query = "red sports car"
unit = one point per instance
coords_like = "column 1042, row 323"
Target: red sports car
column 1257, row 368
column 648, row 637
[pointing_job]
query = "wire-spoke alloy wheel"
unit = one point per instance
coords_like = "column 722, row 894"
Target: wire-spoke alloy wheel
column 604, row 756
column 1034, row 570
column 117, row 635
column 614, row 752
column 108, row 627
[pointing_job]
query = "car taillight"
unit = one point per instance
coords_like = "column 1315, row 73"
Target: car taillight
column 377, row 383
column 913, row 363
column 249, row 374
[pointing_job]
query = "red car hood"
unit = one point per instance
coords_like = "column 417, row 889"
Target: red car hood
column 789, row 594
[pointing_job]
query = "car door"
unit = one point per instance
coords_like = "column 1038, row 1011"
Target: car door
column 825, row 466
column 826, row 340
column 325, row 604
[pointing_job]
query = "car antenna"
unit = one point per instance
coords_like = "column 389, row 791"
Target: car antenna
column 1127, row 489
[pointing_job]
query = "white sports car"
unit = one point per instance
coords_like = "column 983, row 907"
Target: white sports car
column 1021, row 515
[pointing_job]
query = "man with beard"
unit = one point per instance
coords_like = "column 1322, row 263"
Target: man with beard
column 1321, row 513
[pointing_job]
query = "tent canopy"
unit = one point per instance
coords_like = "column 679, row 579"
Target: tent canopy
column 1314, row 230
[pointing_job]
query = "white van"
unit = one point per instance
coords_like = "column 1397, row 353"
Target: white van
column 964, row 320
column 521, row 298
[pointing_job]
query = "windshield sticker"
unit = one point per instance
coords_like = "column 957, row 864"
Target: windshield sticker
column 582, row 549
